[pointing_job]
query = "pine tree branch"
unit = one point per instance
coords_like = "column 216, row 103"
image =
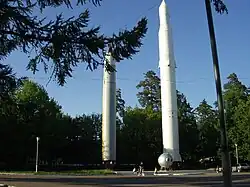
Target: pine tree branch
column 65, row 42
column 220, row 6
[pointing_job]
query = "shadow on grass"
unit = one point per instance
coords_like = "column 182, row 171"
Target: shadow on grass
column 119, row 181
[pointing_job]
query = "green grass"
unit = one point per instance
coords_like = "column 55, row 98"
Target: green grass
column 74, row 172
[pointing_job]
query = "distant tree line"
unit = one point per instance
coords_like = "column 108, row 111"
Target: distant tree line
column 27, row 112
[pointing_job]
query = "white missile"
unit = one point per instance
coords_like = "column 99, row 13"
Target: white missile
column 170, row 132
column 109, row 114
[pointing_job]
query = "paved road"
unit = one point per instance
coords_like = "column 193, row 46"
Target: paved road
column 207, row 180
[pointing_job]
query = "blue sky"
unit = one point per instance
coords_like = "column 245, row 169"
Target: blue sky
column 83, row 93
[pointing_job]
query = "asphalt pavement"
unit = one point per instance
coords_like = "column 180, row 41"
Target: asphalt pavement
column 207, row 180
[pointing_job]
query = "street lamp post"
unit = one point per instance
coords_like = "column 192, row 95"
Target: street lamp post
column 236, row 154
column 37, row 149
column 226, row 163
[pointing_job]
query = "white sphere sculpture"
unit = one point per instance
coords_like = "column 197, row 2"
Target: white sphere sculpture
column 165, row 160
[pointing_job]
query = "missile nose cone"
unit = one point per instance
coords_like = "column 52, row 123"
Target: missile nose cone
column 163, row 6
column 163, row 3
column 163, row 14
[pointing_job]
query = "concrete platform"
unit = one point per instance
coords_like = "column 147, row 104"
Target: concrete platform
column 181, row 172
column 169, row 173
column 177, row 174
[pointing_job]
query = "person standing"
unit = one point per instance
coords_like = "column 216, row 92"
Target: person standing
column 156, row 171
column 141, row 169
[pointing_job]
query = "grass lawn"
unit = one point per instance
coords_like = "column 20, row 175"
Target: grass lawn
column 74, row 172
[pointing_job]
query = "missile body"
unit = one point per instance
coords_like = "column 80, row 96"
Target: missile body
column 170, row 130
column 109, row 114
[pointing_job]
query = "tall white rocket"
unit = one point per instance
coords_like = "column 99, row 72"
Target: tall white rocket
column 170, row 132
column 109, row 113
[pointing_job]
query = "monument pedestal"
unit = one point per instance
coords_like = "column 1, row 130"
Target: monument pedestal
column 109, row 164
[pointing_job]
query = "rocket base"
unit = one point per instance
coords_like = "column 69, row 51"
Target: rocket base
column 174, row 153
column 109, row 164
column 169, row 160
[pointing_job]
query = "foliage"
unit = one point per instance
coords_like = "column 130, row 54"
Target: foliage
column 27, row 111
column 187, row 129
column 141, row 135
column 120, row 103
column 236, row 96
column 220, row 6
column 65, row 42
column 240, row 133
column 8, row 81
column 207, row 121
column 150, row 96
